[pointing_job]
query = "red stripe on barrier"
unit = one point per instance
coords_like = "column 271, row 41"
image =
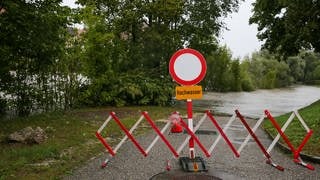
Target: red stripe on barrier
column 305, row 140
column 145, row 114
column 195, row 138
column 253, row 134
column 128, row 133
column 223, row 134
column 276, row 125
column 105, row 144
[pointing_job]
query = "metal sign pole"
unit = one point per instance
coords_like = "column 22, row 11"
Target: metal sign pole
column 190, row 125
column 188, row 67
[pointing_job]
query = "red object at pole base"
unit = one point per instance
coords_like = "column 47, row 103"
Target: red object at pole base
column 176, row 128
column 103, row 165
column 168, row 167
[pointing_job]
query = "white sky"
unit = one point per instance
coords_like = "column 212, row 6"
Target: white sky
column 69, row 3
column 241, row 37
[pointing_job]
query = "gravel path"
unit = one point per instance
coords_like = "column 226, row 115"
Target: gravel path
column 130, row 164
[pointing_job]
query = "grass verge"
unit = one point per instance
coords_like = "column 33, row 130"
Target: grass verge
column 295, row 131
column 71, row 140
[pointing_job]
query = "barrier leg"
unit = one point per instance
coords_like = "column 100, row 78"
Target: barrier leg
column 300, row 162
column 106, row 145
column 103, row 141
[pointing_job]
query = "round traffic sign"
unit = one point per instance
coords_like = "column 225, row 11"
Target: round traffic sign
column 187, row 67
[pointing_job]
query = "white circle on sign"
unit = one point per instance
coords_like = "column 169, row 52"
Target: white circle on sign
column 187, row 67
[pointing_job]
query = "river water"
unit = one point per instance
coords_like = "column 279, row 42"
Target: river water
column 253, row 104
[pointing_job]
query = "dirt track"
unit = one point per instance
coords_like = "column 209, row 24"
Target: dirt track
column 130, row 164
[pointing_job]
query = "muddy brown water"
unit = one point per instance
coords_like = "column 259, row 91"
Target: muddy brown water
column 253, row 104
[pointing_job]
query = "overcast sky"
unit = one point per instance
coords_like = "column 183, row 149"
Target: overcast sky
column 241, row 37
column 69, row 3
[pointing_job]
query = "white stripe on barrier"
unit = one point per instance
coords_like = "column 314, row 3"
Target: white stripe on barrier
column 122, row 140
column 104, row 124
column 157, row 137
column 302, row 121
column 224, row 130
column 126, row 137
column 276, row 139
column 245, row 142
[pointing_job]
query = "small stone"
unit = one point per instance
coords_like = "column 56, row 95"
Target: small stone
column 28, row 136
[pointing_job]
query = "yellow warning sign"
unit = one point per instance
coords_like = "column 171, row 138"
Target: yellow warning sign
column 188, row 92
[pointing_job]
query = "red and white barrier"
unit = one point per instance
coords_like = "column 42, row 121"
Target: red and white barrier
column 222, row 134
column 296, row 152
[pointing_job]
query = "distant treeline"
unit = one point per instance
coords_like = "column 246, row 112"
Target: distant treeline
column 120, row 56
column 262, row 70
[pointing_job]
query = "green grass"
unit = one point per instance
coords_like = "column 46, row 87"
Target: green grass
column 71, row 140
column 295, row 131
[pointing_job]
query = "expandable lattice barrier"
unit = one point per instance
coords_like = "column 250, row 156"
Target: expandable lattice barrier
column 222, row 134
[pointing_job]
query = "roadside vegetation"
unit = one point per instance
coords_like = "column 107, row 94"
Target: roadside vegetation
column 71, row 140
column 295, row 131
column 120, row 56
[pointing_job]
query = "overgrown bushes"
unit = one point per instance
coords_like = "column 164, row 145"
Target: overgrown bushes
column 128, row 89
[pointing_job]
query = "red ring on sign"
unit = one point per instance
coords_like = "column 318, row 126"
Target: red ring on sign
column 202, row 60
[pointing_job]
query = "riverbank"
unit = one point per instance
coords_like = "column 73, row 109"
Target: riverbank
column 70, row 143
column 296, row 132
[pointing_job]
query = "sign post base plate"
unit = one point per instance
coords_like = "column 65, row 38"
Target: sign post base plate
column 193, row 165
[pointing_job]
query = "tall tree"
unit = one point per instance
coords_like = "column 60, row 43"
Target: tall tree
column 32, row 38
column 235, row 75
column 267, row 72
column 312, row 62
column 287, row 26
column 131, row 39
column 152, row 30
column 218, row 74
